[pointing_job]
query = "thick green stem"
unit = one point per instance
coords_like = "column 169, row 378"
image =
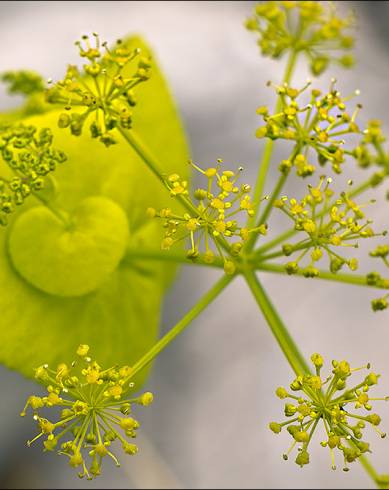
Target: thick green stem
column 279, row 330
column 345, row 278
column 262, row 173
column 182, row 324
column 152, row 163
column 276, row 192
column 58, row 213
column 254, row 237
column 378, row 479
column 144, row 153
column 268, row 150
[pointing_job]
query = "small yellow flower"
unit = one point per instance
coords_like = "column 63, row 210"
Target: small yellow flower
column 82, row 350
column 217, row 203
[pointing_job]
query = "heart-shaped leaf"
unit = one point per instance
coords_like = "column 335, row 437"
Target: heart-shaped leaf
column 72, row 257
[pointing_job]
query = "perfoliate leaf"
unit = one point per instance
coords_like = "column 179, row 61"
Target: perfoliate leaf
column 47, row 307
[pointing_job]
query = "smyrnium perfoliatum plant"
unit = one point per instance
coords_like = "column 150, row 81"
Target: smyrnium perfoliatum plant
column 99, row 238
column 102, row 92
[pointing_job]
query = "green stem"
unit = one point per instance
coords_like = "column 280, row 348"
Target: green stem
column 291, row 232
column 276, row 192
column 61, row 215
column 357, row 280
column 262, row 172
column 182, row 324
column 134, row 254
column 152, row 163
column 145, row 154
column 372, row 472
column 254, row 236
column 279, row 330
column 274, row 195
column 268, row 150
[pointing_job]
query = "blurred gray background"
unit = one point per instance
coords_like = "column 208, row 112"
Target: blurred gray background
column 214, row 386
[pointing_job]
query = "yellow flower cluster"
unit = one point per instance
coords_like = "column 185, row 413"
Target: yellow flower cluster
column 327, row 227
column 103, row 87
column 30, row 156
column 314, row 399
column 320, row 125
column 311, row 28
column 211, row 216
column 93, row 411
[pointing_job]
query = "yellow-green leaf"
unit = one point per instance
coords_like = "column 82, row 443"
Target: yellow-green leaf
column 116, row 310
